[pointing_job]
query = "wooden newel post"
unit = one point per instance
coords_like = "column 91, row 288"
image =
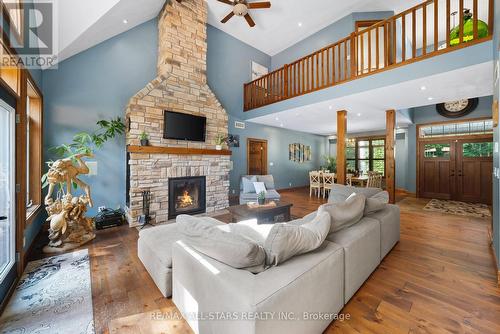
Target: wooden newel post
column 341, row 145
column 390, row 163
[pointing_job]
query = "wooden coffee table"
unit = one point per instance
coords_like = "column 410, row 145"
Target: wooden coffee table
column 280, row 213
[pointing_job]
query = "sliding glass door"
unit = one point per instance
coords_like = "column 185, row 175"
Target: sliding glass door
column 7, row 189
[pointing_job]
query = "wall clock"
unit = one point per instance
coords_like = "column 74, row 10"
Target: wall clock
column 456, row 109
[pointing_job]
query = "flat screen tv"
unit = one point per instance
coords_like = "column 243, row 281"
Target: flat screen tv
column 183, row 126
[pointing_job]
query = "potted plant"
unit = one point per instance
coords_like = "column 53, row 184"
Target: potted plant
column 144, row 137
column 261, row 197
column 331, row 164
column 220, row 140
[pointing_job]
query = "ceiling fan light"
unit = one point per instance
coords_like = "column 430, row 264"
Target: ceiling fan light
column 240, row 9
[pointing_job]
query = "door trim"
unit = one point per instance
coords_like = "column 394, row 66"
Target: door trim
column 248, row 153
column 12, row 176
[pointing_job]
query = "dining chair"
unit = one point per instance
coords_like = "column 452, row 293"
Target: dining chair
column 349, row 179
column 374, row 180
column 328, row 182
column 314, row 182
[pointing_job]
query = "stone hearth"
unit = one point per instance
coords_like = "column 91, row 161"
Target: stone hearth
column 181, row 86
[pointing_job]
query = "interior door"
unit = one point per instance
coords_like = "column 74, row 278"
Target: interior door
column 7, row 189
column 437, row 169
column 257, row 156
column 474, row 171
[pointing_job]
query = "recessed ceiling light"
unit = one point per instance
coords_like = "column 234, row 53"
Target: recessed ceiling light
column 359, row 114
column 125, row 21
column 281, row 124
column 299, row 24
column 430, row 98
column 423, row 88
column 330, row 107
column 277, row 118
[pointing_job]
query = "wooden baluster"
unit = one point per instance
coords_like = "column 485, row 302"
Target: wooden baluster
column 461, row 22
column 424, row 28
column 345, row 60
column 328, row 66
column 448, row 18
column 491, row 15
column 377, row 47
column 353, row 56
column 403, row 38
column 285, row 82
column 436, row 25
column 414, row 33
column 394, row 42
column 333, row 65
column 362, row 53
column 297, row 79
column 369, row 50
column 386, row 44
column 475, row 19
column 317, row 71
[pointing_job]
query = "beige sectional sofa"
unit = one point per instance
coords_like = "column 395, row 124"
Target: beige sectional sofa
column 301, row 295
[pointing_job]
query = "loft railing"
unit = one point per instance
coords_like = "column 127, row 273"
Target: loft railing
column 421, row 32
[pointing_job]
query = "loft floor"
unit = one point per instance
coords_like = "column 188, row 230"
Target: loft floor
column 439, row 278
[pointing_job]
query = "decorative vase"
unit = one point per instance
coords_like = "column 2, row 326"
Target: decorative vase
column 218, row 147
column 262, row 201
column 144, row 142
column 468, row 29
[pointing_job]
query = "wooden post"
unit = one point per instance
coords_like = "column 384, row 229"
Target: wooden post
column 390, row 164
column 341, row 138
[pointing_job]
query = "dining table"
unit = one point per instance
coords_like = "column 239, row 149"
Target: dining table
column 356, row 180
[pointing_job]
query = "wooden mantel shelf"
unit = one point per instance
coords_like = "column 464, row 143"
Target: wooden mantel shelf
column 175, row 150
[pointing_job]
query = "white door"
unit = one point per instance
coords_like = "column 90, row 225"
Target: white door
column 7, row 189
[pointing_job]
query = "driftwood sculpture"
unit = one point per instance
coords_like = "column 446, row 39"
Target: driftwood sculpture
column 69, row 228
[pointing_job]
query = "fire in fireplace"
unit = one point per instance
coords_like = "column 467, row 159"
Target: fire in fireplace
column 186, row 195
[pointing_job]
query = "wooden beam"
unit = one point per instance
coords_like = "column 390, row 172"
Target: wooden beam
column 341, row 138
column 390, row 164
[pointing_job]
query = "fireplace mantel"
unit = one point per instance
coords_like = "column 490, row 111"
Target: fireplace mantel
column 175, row 150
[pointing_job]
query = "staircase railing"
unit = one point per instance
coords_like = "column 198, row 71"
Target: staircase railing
column 420, row 32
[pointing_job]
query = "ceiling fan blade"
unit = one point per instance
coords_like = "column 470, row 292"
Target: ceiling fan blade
column 228, row 2
column 259, row 5
column 250, row 22
column 230, row 15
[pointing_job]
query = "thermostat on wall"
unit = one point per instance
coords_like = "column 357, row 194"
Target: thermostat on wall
column 239, row 125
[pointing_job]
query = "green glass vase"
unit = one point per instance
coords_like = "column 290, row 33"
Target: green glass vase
column 482, row 30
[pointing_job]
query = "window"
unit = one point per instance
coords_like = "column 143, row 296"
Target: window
column 33, row 148
column 13, row 13
column 367, row 154
column 477, row 150
column 464, row 128
column 437, row 150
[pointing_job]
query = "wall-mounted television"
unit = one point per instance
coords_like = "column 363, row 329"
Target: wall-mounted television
column 184, row 126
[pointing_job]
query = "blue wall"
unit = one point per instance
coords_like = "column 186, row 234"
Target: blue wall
column 286, row 173
column 326, row 36
column 97, row 84
column 229, row 66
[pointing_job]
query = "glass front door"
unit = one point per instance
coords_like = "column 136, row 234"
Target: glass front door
column 7, row 189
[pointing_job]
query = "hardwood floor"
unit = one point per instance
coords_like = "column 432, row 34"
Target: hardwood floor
column 439, row 278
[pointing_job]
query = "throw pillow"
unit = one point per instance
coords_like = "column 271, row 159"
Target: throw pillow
column 248, row 186
column 226, row 243
column 345, row 214
column 377, row 202
column 287, row 240
column 259, row 187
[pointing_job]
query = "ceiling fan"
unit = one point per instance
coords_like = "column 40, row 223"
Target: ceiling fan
column 241, row 7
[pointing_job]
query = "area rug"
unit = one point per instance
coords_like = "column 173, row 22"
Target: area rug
column 54, row 296
column 459, row 208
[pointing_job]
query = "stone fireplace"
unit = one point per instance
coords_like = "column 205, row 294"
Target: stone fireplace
column 181, row 86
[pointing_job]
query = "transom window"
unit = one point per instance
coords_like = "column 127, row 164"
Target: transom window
column 464, row 128
column 366, row 154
